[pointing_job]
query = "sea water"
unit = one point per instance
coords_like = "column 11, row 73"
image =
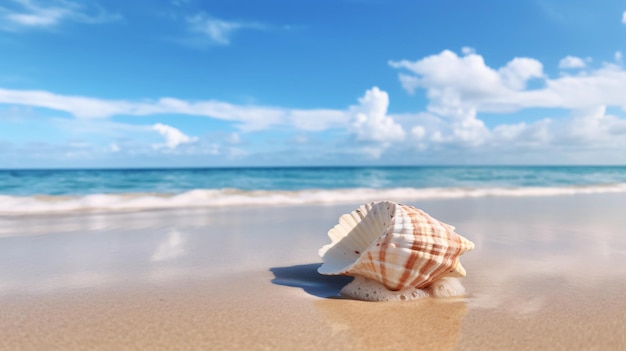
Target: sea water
column 43, row 191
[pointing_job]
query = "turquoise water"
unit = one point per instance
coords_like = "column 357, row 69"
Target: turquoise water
column 44, row 191
column 173, row 181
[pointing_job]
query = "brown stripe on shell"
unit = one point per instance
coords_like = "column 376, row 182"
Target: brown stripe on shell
column 449, row 261
column 419, row 226
column 449, row 256
column 453, row 256
column 421, row 248
column 371, row 264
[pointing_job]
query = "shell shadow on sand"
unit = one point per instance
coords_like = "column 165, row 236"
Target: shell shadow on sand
column 306, row 277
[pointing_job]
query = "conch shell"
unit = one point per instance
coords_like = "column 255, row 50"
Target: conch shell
column 395, row 251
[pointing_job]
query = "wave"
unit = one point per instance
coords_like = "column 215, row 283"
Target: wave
column 17, row 205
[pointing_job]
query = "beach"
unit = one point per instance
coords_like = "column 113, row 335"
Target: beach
column 548, row 272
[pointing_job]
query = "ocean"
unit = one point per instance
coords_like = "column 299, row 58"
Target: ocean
column 59, row 191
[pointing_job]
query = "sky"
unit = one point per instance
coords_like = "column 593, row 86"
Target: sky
column 220, row 83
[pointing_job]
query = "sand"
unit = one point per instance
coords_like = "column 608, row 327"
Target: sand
column 548, row 273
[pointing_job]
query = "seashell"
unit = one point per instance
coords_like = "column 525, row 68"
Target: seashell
column 398, row 246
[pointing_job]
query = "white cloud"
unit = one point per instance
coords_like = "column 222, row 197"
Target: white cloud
column 519, row 71
column 469, row 131
column 466, row 50
column 418, row 132
column 173, row 136
column 318, row 119
column 449, row 78
column 23, row 14
column 371, row 122
column 618, row 57
column 571, row 62
column 460, row 83
column 108, row 128
column 75, row 105
column 216, row 30
column 460, row 88
column 624, row 17
column 437, row 71
column 84, row 107
column 409, row 83
column 592, row 126
column 522, row 134
column 248, row 118
column 586, row 136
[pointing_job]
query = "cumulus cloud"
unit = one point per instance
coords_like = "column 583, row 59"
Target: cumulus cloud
column 418, row 132
column 218, row 31
column 624, row 17
column 460, row 88
column 22, row 14
column 585, row 136
column 522, row 134
column 592, row 125
column 571, row 62
column 371, row 122
column 519, row 71
column 448, row 78
column 454, row 82
column 371, row 126
column 173, row 136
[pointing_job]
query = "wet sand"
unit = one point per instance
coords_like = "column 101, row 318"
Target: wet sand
column 547, row 273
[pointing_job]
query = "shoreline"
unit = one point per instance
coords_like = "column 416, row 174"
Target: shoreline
column 546, row 273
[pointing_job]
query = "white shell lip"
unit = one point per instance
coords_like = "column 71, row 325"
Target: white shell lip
column 339, row 256
column 397, row 245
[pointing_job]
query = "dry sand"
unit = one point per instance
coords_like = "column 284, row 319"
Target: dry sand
column 547, row 273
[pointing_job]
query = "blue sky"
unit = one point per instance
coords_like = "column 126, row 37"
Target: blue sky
column 111, row 83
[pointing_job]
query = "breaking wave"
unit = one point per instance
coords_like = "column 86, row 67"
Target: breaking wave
column 19, row 205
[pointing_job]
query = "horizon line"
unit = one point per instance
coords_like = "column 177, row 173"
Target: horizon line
column 165, row 168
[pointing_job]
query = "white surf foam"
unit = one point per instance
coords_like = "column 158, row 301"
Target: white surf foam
column 16, row 205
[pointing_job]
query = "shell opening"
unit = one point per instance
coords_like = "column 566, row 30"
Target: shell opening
column 355, row 232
